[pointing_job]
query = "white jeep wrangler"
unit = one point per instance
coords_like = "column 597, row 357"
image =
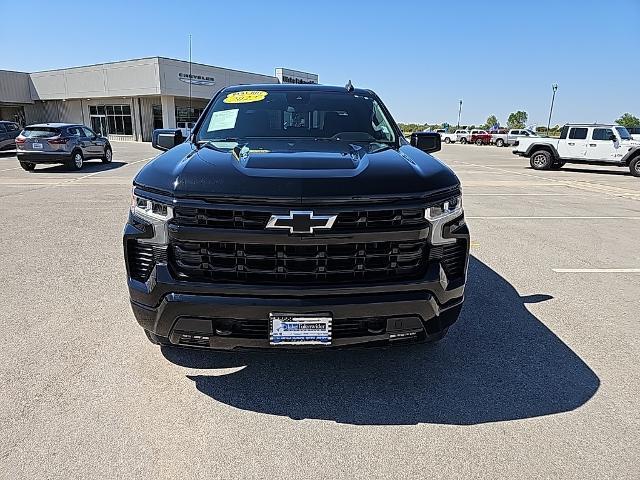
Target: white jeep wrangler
column 582, row 143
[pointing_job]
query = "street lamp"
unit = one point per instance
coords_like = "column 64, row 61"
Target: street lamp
column 554, row 87
column 459, row 112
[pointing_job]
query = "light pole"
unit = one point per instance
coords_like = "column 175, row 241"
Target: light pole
column 459, row 112
column 554, row 87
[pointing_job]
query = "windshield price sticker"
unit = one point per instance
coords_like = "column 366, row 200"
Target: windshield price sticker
column 223, row 120
column 246, row 96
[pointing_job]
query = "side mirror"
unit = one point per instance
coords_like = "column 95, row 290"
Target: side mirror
column 613, row 138
column 428, row 142
column 166, row 139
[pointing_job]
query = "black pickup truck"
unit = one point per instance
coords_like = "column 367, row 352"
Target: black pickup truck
column 295, row 216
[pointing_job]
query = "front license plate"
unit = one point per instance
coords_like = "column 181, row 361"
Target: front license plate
column 297, row 329
column 37, row 146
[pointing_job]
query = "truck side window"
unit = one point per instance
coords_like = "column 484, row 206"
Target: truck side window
column 601, row 134
column 578, row 133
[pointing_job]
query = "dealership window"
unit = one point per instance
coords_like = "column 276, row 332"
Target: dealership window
column 157, row 116
column 112, row 119
column 183, row 115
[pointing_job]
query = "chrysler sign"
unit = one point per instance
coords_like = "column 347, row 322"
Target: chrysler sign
column 196, row 79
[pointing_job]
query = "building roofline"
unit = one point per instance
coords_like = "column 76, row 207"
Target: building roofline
column 156, row 57
column 13, row 71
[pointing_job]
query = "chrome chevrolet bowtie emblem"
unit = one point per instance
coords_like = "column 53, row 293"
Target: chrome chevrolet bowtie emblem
column 301, row 222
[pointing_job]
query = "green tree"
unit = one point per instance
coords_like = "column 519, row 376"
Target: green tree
column 491, row 121
column 628, row 120
column 517, row 119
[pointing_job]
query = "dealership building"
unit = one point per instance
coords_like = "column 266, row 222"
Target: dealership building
column 125, row 100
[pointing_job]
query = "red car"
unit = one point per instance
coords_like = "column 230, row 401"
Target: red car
column 480, row 137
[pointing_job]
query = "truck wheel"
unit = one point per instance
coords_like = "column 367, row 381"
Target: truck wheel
column 478, row 142
column 447, row 140
column 634, row 166
column 499, row 143
column 463, row 140
column 28, row 166
column 540, row 160
column 157, row 339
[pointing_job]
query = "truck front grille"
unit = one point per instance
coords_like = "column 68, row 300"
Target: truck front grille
column 298, row 264
column 257, row 220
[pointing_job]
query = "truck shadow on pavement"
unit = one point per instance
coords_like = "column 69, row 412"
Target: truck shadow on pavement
column 499, row 362
column 91, row 166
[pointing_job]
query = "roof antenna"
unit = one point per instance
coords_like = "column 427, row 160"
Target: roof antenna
column 349, row 86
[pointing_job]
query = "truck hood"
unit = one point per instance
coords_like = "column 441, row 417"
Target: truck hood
column 302, row 169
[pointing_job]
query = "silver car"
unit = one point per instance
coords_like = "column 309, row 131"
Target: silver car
column 69, row 144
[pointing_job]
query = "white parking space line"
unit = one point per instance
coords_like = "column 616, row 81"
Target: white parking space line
column 596, row 270
column 466, row 194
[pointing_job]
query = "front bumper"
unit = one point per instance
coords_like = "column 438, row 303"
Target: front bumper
column 43, row 157
column 206, row 315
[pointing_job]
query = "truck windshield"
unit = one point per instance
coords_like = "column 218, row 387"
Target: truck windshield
column 624, row 133
column 295, row 114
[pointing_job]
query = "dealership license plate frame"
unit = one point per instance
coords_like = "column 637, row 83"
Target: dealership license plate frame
column 36, row 146
column 292, row 329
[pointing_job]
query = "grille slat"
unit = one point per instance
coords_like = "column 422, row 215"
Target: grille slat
column 257, row 220
column 140, row 260
column 453, row 258
column 365, row 262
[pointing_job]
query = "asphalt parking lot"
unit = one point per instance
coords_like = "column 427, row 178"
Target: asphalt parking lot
column 539, row 378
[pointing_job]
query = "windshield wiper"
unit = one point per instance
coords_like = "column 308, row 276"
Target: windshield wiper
column 210, row 143
column 213, row 140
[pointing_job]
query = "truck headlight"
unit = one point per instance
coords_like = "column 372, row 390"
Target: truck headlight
column 150, row 209
column 446, row 208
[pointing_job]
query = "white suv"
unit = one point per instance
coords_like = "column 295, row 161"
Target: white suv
column 581, row 143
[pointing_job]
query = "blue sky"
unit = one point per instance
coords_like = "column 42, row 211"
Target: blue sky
column 421, row 57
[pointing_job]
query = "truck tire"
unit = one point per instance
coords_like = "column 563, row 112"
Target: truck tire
column 28, row 166
column 463, row 140
column 447, row 140
column 634, row 166
column 540, row 160
column 478, row 142
column 499, row 142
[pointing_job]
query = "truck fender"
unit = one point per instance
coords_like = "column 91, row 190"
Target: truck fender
column 631, row 154
column 542, row 146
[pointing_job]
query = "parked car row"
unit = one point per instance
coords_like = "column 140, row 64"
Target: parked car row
column 60, row 143
column 500, row 138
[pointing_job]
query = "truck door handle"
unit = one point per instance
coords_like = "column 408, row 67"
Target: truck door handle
column 571, row 143
column 592, row 144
